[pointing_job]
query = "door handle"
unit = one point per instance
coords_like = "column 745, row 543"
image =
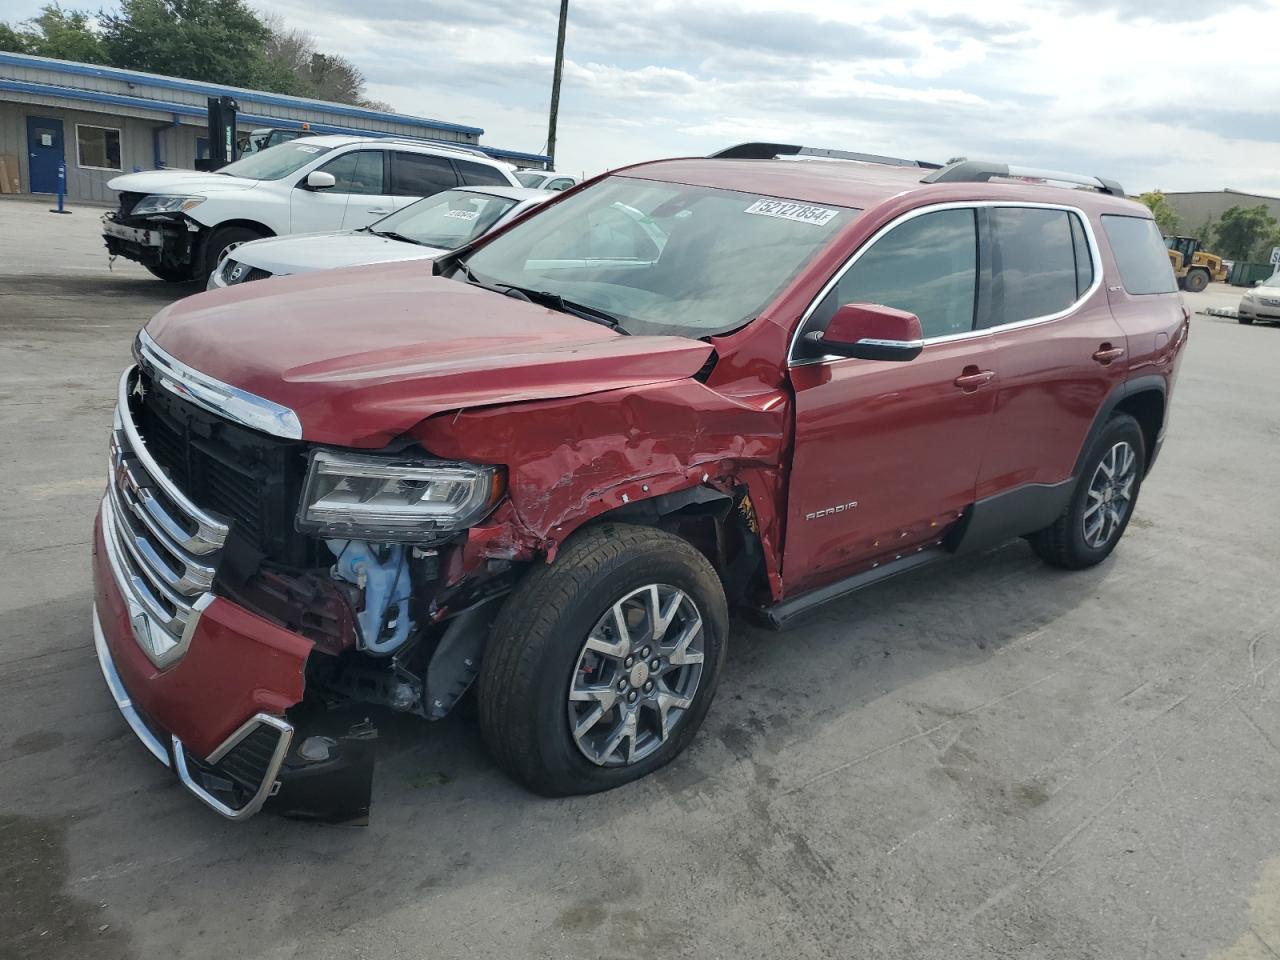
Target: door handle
column 1106, row 354
column 377, row 210
column 973, row 378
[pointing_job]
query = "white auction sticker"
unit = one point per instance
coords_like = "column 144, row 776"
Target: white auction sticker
column 787, row 210
column 306, row 149
column 462, row 214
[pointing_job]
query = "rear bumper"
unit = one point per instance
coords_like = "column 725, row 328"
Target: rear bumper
column 217, row 716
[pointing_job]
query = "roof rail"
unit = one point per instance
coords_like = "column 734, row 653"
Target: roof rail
column 979, row 171
column 772, row 151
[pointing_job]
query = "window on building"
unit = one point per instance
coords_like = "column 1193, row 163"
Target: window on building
column 98, row 148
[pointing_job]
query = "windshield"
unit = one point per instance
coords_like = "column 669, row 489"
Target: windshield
column 531, row 179
column 662, row 258
column 447, row 220
column 274, row 163
column 1272, row 281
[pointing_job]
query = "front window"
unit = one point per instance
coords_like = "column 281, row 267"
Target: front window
column 447, row 220
column 275, row 163
column 662, row 258
column 97, row 148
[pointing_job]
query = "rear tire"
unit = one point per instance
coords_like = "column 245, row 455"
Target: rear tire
column 1196, row 280
column 171, row 274
column 222, row 241
column 561, row 679
column 1102, row 503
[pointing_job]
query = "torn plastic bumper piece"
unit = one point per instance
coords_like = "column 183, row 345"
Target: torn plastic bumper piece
column 327, row 775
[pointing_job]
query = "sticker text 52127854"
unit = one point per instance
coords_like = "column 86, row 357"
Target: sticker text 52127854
column 788, row 210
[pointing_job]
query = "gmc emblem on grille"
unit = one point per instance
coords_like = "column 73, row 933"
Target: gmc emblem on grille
column 829, row 511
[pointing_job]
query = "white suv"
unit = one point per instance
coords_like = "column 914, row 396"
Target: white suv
column 180, row 223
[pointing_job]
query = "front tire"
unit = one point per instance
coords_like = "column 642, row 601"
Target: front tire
column 221, row 242
column 603, row 664
column 1196, row 281
column 171, row 274
column 1102, row 502
column 1246, row 321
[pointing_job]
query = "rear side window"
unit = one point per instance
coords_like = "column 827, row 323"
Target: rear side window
column 927, row 265
column 1034, row 263
column 420, row 174
column 479, row 174
column 1140, row 254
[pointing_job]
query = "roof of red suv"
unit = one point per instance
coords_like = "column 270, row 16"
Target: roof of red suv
column 858, row 185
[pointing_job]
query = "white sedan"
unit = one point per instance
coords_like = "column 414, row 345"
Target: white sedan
column 420, row 231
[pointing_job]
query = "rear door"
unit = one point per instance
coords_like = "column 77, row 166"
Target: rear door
column 418, row 175
column 887, row 454
column 1060, row 350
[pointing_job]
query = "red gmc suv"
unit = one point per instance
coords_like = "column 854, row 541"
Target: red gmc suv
column 553, row 462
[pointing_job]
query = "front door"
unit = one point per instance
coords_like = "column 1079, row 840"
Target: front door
column 44, row 153
column 887, row 454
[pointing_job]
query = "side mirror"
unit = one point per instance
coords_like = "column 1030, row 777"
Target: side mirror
column 319, row 180
column 870, row 331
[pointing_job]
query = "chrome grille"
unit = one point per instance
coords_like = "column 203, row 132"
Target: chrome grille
column 163, row 548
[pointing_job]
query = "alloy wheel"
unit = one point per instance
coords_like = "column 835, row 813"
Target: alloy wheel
column 1110, row 496
column 636, row 676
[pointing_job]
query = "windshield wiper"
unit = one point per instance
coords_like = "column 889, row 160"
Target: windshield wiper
column 546, row 298
column 556, row 302
column 391, row 234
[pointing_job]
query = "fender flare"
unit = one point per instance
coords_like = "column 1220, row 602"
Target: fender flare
column 1149, row 382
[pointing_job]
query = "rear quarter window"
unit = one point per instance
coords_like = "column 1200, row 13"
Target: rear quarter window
column 1140, row 254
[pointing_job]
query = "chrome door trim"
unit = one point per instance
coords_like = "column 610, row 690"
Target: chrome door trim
column 1090, row 238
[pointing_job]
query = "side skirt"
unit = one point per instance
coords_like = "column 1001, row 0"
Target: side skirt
column 782, row 615
column 987, row 523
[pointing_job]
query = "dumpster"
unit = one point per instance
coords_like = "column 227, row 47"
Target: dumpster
column 1248, row 274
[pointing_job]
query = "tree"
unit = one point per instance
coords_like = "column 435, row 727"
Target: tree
column 219, row 41
column 1246, row 234
column 1158, row 204
column 57, row 33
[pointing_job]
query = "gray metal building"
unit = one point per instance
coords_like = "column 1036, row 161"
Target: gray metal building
column 103, row 121
column 1196, row 207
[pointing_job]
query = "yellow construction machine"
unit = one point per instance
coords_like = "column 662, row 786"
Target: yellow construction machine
column 1192, row 265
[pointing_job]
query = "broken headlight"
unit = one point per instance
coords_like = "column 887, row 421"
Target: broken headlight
column 156, row 203
column 393, row 498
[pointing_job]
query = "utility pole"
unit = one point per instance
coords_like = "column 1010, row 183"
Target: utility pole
column 555, row 83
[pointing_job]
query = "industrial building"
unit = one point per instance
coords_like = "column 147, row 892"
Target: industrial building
column 103, row 121
column 1196, row 207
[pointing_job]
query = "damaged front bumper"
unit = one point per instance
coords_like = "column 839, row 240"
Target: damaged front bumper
column 227, row 716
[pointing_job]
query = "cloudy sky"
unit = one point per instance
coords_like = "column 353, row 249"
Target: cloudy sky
column 1179, row 94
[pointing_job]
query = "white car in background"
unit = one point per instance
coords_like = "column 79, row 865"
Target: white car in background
column 420, row 231
column 545, row 180
column 179, row 224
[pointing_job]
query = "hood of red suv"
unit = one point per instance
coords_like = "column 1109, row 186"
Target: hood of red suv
column 362, row 355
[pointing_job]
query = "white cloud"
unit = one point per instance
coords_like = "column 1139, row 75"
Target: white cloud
column 1150, row 94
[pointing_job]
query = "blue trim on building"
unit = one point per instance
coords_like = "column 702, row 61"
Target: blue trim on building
column 188, row 110
column 217, row 90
